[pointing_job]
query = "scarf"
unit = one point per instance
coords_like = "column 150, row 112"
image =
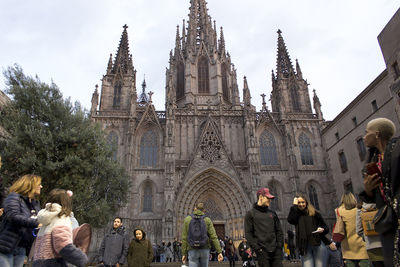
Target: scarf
column 305, row 227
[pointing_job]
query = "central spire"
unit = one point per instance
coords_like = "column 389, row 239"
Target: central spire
column 199, row 25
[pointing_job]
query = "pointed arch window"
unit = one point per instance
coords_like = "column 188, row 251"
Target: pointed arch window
column 147, row 197
column 224, row 76
column 305, row 150
column 204, row 84
column 112, row 141
column 313, row 196
column 117, row 95
column 180, row 80
column 148, row 149
column 295, row 99
column 268, row 153
column 275, row 202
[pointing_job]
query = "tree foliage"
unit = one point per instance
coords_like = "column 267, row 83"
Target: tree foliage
column 50, row 137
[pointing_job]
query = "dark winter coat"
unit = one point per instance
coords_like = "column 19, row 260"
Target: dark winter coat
column 114, row 247
column 263, row 229
column 304, row 235
column 140, row 253
column 17, row 223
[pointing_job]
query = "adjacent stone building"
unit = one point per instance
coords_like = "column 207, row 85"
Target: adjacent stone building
column 343, row 136
column 210, row 144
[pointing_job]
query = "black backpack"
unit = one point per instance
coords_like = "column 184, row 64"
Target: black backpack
column 197, row 234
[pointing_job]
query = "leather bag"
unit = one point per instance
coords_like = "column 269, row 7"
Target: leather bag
column 384, row 219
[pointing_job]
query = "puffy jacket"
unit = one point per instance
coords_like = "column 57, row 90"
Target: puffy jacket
column 263, row 229
column 140, row 252
column 18, row 224
column 114, row 247
column 54, row 245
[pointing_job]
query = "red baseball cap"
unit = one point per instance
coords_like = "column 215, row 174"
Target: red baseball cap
column 264, row 192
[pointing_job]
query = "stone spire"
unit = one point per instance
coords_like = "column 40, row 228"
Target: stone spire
column 317, row 106
column 298, row 70
column 221, row 46
column 177, row 39
column 143, row 96
column 199, row 26
column 284, row 66
column 110, row 65
column 123, row 60
column 246, row 92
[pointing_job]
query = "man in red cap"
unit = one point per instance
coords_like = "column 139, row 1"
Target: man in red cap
column 263, row 231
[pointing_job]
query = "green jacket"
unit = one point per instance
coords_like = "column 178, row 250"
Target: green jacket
column 212, row 236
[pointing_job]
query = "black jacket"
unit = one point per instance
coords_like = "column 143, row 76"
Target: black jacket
column 114, row 247
column 263, row 229
column 18, row 225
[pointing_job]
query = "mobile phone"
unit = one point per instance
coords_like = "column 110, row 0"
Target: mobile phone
column 372, row 168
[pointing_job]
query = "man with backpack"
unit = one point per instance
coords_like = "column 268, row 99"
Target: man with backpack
column 197, row 233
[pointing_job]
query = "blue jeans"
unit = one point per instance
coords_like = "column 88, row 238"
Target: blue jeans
column 315, row 256
column 162, row 257
column 199, row 257
column 14, row 259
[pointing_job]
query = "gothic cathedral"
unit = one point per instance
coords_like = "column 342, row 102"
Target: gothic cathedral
column 210, row 145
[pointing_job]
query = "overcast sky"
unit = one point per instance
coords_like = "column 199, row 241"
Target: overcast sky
column 69, row 42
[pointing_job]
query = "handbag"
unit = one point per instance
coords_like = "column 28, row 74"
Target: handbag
column 338, row 229
column 367, row 217
column 384, row 219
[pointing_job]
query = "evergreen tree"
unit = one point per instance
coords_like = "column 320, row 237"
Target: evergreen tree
column 50, row 137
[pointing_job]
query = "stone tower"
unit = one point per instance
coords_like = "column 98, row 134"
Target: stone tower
column 209, row 145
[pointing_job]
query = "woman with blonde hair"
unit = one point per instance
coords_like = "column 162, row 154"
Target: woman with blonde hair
column 353, row 247
column 310, row 229
column 20, row 220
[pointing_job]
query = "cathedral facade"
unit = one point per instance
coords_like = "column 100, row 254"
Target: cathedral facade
column 210, row 144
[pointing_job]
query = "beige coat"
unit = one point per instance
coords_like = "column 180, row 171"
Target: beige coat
column 353, row 247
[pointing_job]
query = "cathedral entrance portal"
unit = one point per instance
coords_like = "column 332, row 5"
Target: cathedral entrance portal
column 220, row 230
column 224, row 201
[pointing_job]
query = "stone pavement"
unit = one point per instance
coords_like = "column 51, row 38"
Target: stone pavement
column 221, row 264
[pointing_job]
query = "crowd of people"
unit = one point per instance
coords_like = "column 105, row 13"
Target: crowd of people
column 366, row 232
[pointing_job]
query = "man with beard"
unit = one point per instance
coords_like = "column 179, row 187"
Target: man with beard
column 114, row 248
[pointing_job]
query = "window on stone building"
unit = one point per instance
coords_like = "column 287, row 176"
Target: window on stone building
column 224, row 76
column 305, row 150
column 180, row 80
column 374, row 106
column 343, row 161
column 112, row 141
column 204, row 84
column 295, row 99
column 337, row 136
column 354, row 120
column 117, row 95
column 148, row 149
column 275, row 203
column 313, row 196
column 396, row 70
column 268, row 149
column 362, row 151
column 147, row 197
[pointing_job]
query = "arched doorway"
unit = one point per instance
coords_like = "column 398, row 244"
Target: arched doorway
column 225, row 201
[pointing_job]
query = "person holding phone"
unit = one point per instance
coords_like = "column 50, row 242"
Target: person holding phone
column 310, row 228
column 382, row 187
